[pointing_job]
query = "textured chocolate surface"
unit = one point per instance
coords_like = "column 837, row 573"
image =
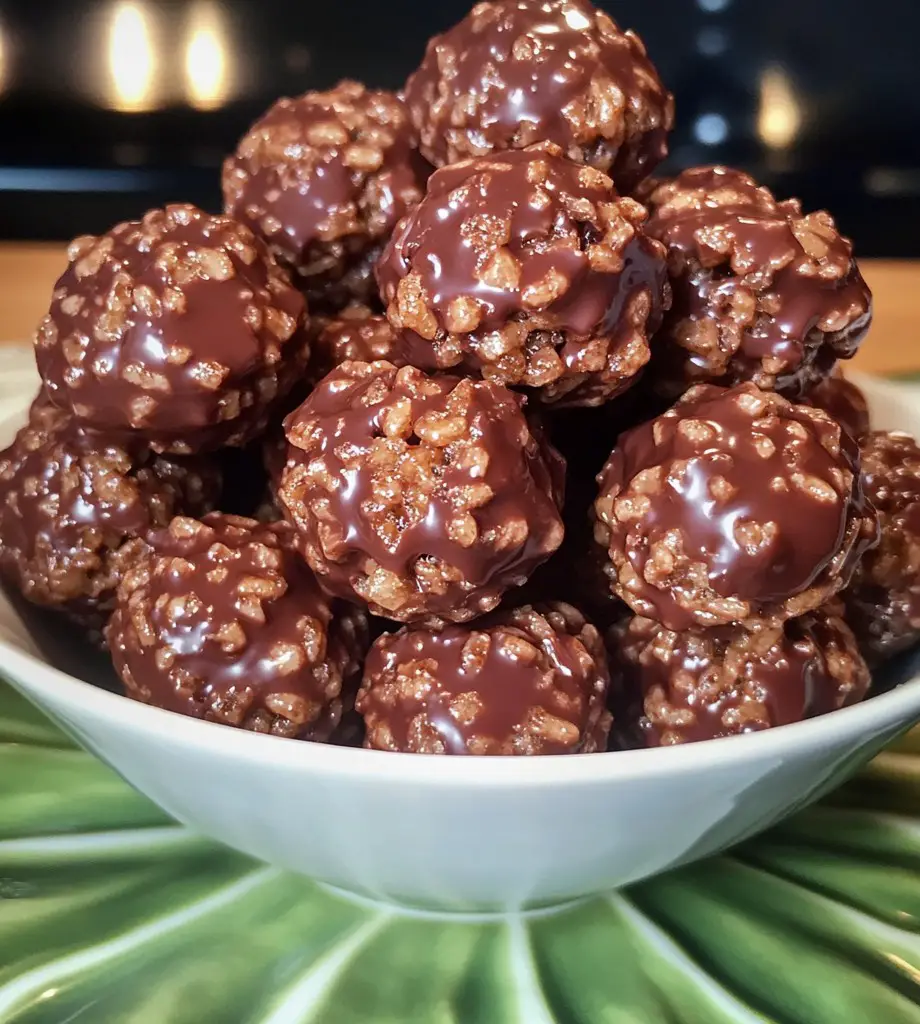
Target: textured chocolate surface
column 324, row 178
column 883, row 602
column 515, row 72
column 529, row 269
column 762, row 292
column 419, row 495
column 735, row 505
column 358, row 335
column 842, row 400
column 179, row 329
column 704, row 683
column 221, row 619
column 72, row 507
column 524, row 681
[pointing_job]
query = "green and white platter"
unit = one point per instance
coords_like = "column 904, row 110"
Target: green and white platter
column 112, row 914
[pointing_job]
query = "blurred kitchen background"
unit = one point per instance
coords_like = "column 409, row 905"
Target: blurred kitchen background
column 109, row 107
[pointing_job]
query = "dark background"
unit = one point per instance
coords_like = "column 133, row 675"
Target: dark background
column 109, row 107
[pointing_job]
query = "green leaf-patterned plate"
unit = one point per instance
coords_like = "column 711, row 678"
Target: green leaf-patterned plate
column 111, row 913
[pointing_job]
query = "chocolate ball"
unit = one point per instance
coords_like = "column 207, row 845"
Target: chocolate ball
column 733, row 506
column 842, row 400
column 515, row 72
column 73, row 507
column 762, row 292
column 179, row 329
column 419, row 495
column 525, row 681
column 704, row 683
column 529, row 269
column 357, row 335
column 221, row 619
column 324, row 178
column 883, row 602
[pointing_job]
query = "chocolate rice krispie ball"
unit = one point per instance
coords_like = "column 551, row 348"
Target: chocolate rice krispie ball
column 524, row 681
column 529, row 269
column 883, row 602
column 221, row 619
column 704, row 683
column 73, row 506
column 515, row 72
column 843, row 401
column 179, row 330
column 422, row 496
column 324, row 178
column 762, row 292
column 359, row 335
column 733, row 506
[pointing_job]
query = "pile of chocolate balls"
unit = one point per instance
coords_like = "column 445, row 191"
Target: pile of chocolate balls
column 458, row 432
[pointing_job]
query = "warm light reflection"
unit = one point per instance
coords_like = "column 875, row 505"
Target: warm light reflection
column 4, row 59
column 780, row 116
column 132, row 61
column 207, row 48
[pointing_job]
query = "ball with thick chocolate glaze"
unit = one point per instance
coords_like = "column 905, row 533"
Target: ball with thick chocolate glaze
column 515, row 72
column 843, row 401
column 762, row 292
column 734, row 506
column 324, row 178
column 221, row 619
column 73, row 507
column 179, row 329
column 531, row 680
column 420, row 495
column 528, row 269
column 883, row 601
column 700, row 684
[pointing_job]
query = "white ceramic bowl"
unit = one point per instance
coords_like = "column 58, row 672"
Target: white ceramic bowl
column 458, row 833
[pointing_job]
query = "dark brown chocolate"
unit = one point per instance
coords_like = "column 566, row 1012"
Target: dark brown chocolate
column 762, row 292
column 324, row 178
column 525, row 681
column 705, row 683
column 179, row 329
column 733, row 506
column 883, row 602
column 529, row 269
column 73, row 507
column 842, row 400
column 419, row 495
column 221, row 619
column 515, row 72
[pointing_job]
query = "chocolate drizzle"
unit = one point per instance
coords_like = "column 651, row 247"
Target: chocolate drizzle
column 515, row 72
column 435, row 481
column 526, row 681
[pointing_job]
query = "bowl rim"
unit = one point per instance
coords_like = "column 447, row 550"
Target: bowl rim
column 49, row 688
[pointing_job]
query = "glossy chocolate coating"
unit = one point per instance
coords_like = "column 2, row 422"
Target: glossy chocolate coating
column 842, row 400
column 221, row 619
column 733, row 506
column 762, row 292
column 705, row 683
column 419, row 495
column 524, row 681
column 324, row 178
column 179, row 329
column 529, row 269
column 883, row 602
column 72, row 507
column 515, row 72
